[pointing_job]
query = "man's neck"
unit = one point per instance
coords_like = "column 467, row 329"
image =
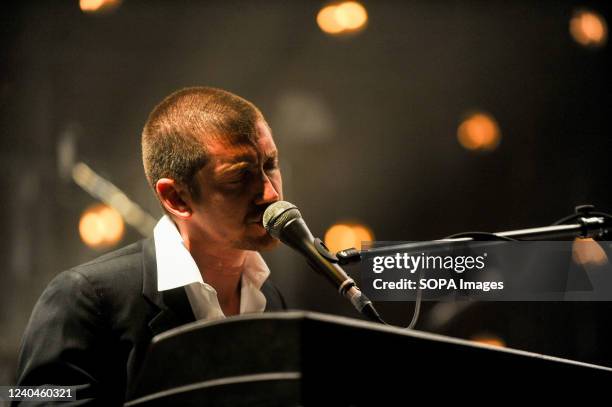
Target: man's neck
column 221, row 268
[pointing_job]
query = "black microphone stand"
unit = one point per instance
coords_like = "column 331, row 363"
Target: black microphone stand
column 584, row 223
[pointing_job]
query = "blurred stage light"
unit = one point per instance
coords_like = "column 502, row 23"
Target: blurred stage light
column 488, row 339
column 346, row 235
column 351, row 15
column 342, row 18
column 101, row 227
column 586, row 251
column 363, row 234
column 327, row 20
column 589, row 28
column 102, row 189
column 479, row 132
column 98, row 6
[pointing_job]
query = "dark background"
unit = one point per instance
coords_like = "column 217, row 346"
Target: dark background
column 366, row 126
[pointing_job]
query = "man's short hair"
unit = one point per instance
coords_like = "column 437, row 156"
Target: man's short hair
column 176, row 134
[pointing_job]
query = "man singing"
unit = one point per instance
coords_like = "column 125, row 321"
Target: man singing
column 211, row 160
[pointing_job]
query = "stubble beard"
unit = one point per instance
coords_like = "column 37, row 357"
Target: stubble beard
column 259, row 243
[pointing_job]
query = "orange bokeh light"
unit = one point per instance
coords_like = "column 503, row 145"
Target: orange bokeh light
column 101, row 226
column 588, row 28
column 346, row 235
column 586, row 251
column 479, row 132
column 342, row 18
column 491, row 340
column 96, row 6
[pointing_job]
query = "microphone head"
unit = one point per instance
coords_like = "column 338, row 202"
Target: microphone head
column 277, row 215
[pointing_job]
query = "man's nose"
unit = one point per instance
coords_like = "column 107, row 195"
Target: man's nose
column 269, row 194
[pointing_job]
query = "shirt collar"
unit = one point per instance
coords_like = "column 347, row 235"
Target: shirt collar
column 176, row 267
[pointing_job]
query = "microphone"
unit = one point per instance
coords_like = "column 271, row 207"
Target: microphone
column 284, row 221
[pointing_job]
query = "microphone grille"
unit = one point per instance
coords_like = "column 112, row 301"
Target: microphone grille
column 277, row 215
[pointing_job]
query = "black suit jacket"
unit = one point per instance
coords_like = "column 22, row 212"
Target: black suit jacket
column 92, row 325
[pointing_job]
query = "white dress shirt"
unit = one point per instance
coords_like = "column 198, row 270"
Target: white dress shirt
column 176, row 268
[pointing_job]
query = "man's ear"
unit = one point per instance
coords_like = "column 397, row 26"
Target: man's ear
column 174, row 197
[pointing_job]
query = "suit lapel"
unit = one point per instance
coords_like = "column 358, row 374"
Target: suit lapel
column 170, row 308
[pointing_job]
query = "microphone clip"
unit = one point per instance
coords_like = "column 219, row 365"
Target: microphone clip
column 324, row 251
